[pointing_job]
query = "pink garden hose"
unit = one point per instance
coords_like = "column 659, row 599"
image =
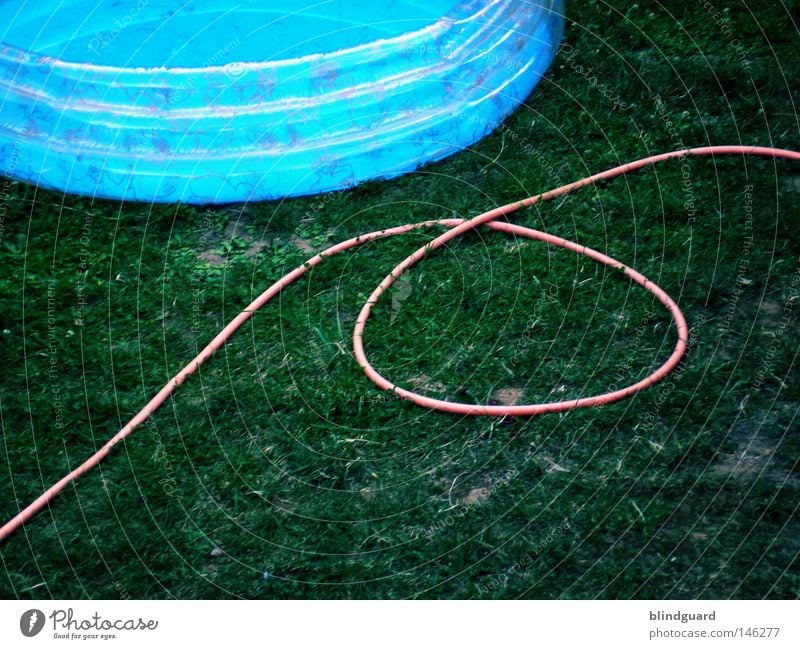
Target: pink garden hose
column 457, row 227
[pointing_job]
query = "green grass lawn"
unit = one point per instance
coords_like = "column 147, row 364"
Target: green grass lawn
column 279, row 471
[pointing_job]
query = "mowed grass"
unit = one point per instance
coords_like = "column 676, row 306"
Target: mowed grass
column 279, row 471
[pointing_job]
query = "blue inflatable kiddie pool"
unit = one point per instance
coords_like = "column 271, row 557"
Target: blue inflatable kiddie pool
column 222, row 101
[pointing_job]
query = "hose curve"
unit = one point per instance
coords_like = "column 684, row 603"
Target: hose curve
column 456, row 228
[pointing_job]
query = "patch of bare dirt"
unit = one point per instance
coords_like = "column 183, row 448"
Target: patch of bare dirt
column 508, row 396
column 302, row 244
column 753, row 457
column 477, row 495
column 236, row 228
column 792, row 183
column 212, row 258
column 425, row 382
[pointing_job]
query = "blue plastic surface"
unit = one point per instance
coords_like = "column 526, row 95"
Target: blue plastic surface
column 214, row 102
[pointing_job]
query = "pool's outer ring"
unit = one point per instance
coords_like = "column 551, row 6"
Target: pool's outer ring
column 259, row 131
